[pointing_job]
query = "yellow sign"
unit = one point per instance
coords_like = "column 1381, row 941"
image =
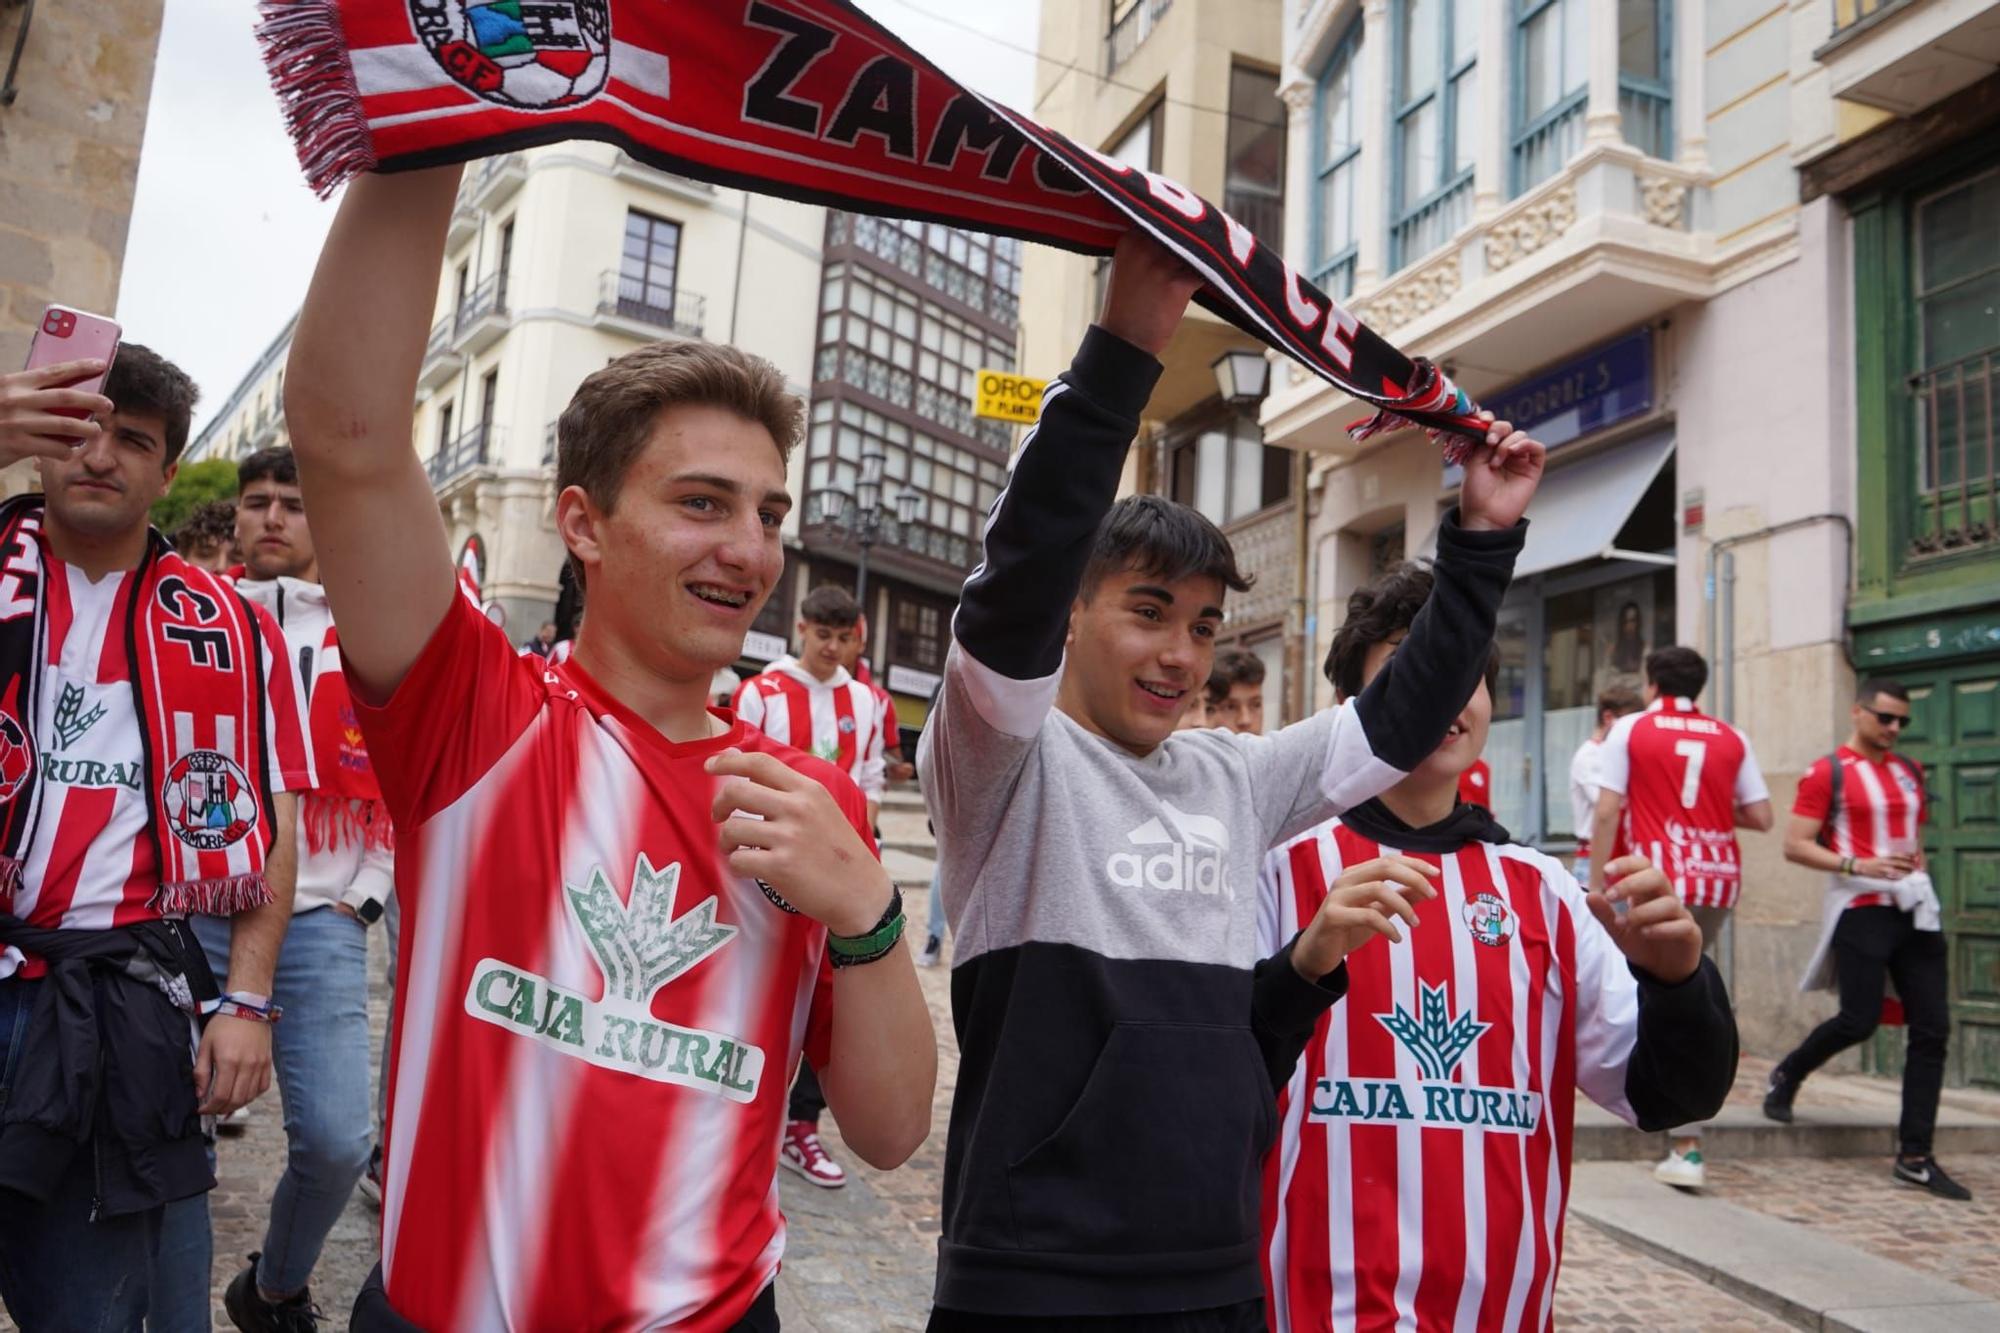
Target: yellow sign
column 1006, row 397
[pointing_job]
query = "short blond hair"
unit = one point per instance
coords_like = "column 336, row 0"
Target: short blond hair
column 611, row 415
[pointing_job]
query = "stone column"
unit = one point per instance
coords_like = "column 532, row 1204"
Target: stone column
column 1690, row 66
column 1489, row 171
column 1601, row 121
column 1297, row 242
column 1371, row 187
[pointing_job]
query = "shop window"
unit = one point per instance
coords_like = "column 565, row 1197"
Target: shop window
column 1227, row 471
column 1386, row 549
column 918, row 633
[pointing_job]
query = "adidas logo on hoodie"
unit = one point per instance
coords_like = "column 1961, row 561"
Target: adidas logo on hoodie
column 1182, row 854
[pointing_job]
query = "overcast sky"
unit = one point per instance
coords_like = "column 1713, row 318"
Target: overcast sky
column 224, row 231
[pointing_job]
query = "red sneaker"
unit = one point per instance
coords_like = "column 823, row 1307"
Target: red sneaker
column 801, row 1152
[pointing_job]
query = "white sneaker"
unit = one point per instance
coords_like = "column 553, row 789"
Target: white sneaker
column 1683, row 1170
column 933, row 950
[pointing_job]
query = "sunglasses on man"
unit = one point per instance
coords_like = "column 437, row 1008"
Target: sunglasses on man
column 1888, row 719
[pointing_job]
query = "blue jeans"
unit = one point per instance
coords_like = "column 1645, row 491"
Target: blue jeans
column 60, row 1271
column 934, row 922
column 321, row 1050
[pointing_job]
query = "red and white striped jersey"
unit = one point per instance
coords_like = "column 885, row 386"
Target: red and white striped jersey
column 892, row 731
column 1881, row 804
column 1421, row 1171
column 838, row 720
column 1683, row 774
column 90, row 863
column 597, row 1023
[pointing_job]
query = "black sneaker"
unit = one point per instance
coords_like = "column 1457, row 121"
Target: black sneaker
column 1778, row 1094
column 1926, row 1174
column 370, row 1184
column 251, row 1313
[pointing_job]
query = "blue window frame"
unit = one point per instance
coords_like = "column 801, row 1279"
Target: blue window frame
column 1336, row 150
column 1434, row 107
column 1646, row 75
column 1551, row 86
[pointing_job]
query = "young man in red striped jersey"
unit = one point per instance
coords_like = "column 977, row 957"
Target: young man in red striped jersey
column 1422, row 1164
column 1674, row 785
column 617, row 904
column 810, row 701
column 114, row 833
column 1857, row 817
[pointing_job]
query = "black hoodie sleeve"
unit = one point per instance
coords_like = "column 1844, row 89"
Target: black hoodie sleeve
column 1285, row 1008
column 1684, row 1059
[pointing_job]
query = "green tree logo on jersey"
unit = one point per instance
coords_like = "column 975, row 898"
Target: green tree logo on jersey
column 642, row 947
column 1438, row 1040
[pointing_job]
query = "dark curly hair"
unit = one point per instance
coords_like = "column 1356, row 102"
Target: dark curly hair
column 141, row 380
column 210, row 525
column 1377, row 611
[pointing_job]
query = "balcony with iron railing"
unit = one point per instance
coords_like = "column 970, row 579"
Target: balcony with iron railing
column 1130, row 30
column 482, row 316
column 476, row 447
column 1431, row 223
column 494, row 180
column 1957, row 500
column 550, row 441
column 441, row 362
column 648, row 309
column 1848, row 14
column 1902, row 56
column 1543, row 144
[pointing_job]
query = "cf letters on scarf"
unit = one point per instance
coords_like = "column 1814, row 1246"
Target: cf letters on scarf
column 806, row 99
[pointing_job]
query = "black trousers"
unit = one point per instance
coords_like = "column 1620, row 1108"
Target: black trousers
column 1869, row 945
column 373, row 1315
column 1245, row 1317
column 807, row 1100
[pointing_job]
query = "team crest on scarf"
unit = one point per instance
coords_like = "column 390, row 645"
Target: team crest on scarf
column 17, row 758
column 530, row 55
column 1489, row 920
column 208, row 801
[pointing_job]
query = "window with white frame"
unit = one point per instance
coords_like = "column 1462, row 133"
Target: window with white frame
column 1336, row 167
column 1646, row 75
column 1551, row 86
column 1434, row 110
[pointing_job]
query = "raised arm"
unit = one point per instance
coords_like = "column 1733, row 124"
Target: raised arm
column 1014, row 612
column 349, row 390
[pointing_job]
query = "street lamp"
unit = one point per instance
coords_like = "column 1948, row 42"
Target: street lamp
column 1242, row 376
column 860, row 515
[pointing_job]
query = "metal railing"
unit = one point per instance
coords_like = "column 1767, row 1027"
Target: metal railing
column 1337, row 278
column 474, row 448
column 440, row 340
column 635, row 299
column 549, row 443
column 1958, row 484
column 1262, row 211
column 1546, row 142
column 1431, row 223
column 1130, row 30
column 488, row 298
column 1646, row 119
column 1847, row 13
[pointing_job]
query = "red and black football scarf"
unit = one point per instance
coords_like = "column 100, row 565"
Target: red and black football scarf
column 198, row 689
column 807, row 99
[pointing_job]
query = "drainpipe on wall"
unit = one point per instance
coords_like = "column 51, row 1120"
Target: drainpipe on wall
column 1721, row 569
column 1299, row 687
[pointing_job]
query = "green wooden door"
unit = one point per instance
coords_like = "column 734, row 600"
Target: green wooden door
column 1955, row 735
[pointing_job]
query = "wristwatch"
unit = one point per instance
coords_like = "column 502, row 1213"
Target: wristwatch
column 369, row 912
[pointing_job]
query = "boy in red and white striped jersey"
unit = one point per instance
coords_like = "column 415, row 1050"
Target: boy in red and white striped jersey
column 1421, row 1170
column 618, row 906
column 1857, row 816
column 1683, row 783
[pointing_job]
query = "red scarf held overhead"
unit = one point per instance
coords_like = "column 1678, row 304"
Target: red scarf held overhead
column 804, row 99
column 198, row 687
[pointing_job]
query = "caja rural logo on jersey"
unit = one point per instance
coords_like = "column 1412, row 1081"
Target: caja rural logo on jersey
column 640, row 947
column 208, row 800
column 532, row 55
column 1438, row 1042
column 1183, row 853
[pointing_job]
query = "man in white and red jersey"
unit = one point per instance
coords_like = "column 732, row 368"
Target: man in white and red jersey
column 810, row 701
column 1858, row 816
column 91, row 902
column 1674, row 785
column 618, row 906
column 895, row 767
column 1421, row 1169
column 1614, row 703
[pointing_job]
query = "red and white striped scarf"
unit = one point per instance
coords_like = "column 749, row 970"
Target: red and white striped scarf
column 198, row 689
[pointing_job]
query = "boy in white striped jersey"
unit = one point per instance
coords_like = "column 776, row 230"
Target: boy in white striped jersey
column 1441, row 1090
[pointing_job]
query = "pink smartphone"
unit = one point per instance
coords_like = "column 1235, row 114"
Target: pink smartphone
column 74, row 335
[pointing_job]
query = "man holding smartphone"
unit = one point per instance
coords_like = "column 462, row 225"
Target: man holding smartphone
column 1857, row 817
column 148, row 726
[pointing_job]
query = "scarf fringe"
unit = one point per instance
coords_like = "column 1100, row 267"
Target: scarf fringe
column 336, row 821
column 306, row 54
column 212, row 897
column 1453, row 424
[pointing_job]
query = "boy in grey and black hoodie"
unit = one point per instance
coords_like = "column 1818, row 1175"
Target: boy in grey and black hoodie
column 1119, row 1036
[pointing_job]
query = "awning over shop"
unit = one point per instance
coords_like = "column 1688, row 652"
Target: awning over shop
column 1581, row 507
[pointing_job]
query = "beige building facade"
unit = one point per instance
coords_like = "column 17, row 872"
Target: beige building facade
column 72, row 116
column 1592, row 213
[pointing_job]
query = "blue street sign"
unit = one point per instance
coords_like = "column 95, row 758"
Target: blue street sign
column 1601, row 388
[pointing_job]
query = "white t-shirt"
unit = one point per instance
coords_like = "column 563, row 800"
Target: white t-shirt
column 1583, row 787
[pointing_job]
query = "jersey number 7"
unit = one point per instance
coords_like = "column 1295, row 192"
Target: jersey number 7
column 1694, row 752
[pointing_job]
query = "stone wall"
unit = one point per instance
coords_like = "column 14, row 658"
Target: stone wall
column 69, row 156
